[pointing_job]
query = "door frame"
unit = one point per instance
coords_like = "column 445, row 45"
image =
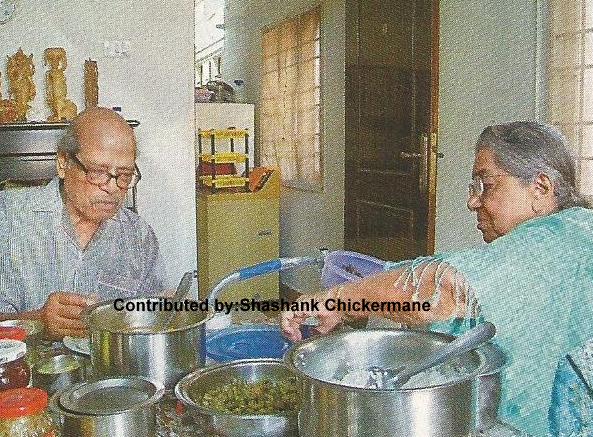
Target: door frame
column 433, row 154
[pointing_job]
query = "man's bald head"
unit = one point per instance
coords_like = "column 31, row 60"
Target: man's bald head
column 94, row 122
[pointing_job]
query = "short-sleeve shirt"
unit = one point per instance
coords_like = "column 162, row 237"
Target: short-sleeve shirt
column 40, row 254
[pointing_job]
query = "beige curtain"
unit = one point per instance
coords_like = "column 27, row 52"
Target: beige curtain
column 290, row 100
column 570, row 80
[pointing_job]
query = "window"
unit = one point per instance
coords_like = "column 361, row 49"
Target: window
column 209, row 39
column 570, row 81
column 290, row 119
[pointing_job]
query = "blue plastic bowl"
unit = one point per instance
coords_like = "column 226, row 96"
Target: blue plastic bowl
column 246, row 341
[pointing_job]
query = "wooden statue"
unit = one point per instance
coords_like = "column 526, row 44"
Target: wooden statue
column 61, row 107
column 91, row 84
column 22, row 87
column 7, row 108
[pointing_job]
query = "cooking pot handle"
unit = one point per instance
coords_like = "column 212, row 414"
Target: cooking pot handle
column 260, row 269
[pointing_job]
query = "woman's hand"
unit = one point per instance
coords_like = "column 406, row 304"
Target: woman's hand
column 292, row 320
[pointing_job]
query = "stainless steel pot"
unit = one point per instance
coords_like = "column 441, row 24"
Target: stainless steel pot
column 123, row 344
column 423, row 408
column 109, row 407
column 191, row 389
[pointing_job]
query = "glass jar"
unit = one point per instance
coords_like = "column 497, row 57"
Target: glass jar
column 14, row 369
column 23, row 413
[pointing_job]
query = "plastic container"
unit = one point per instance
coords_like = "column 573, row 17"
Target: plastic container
column 23, row 413
column 14, row 369
column 248, row 341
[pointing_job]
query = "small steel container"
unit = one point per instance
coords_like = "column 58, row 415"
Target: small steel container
column 109, row 407
column 58, row 372
column 135, row 343
column 192, row 387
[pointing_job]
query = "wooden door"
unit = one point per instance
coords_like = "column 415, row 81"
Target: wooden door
column 391, row 86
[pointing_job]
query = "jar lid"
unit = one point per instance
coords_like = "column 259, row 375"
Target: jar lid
column 11, row 350
column 12, row 333
column 19, row 402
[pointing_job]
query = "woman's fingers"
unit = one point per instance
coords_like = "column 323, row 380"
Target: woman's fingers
column 291, row 321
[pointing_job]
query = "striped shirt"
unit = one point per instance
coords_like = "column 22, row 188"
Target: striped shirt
column 40, row 253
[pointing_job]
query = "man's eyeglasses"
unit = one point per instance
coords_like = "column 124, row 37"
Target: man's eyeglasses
column 101, row 177
column 476, row 186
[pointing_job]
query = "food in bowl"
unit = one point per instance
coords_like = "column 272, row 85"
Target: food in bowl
column 264, row 397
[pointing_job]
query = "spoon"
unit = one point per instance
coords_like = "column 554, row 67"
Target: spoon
column 182, row 290
column 396, row 378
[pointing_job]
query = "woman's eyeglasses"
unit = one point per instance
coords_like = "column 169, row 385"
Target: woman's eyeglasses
column 124, row 181
column 476, row 186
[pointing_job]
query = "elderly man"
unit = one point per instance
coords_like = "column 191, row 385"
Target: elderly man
column 69, row 243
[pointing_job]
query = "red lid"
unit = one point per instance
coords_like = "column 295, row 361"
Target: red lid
column 12, row 333
column 19, row 402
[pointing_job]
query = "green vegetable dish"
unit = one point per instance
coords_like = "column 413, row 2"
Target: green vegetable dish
column 264, row 397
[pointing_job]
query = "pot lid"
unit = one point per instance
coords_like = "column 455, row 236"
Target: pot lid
column 246, row 341
column 110, row 396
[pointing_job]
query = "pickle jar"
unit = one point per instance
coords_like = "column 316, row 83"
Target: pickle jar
column 14, row 370
column 23, row 413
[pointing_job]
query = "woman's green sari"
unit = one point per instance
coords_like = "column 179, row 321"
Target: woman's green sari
column 536, row 285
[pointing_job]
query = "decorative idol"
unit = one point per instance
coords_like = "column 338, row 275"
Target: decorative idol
column 62, row 109
column 22, row 87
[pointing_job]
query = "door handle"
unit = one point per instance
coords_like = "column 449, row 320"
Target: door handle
column 408, row 155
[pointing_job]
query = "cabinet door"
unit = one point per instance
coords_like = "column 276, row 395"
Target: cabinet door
column 238, row 233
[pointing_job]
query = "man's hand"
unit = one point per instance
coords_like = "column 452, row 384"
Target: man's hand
column 61, row 315
column 292, row 320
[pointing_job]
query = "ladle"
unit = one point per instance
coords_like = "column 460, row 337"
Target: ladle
column 395, row 378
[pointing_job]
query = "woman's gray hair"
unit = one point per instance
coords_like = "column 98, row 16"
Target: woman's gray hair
column 68, row 144
column 526, row 149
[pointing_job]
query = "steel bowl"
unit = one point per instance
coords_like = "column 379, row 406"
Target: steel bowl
column 191, row 389
column 135, row 342
column 424, row 407
column 108, row 407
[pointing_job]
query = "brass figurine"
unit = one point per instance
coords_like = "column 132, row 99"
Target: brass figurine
column 22, row 87
column 91, row 84
column 61, row 107
column 7, row 108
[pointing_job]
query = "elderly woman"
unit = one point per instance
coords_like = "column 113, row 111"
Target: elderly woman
column 533, row 280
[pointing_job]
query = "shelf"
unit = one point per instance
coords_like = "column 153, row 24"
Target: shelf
column 44, row 125
column 224, row 157
column 223, row 133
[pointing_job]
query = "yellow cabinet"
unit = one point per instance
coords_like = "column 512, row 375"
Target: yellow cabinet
column 237, row 230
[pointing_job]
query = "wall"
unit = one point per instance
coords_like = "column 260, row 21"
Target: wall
column 308, row 220
column 487, row 75
column 154, row 85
